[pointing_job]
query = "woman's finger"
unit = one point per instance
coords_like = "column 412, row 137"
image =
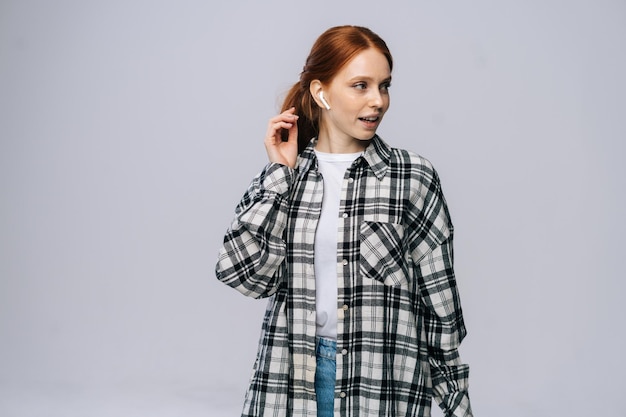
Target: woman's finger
column 283, row 152
column 286, row 115
column 275, row 129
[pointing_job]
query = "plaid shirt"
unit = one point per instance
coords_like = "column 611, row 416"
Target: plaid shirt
column 399, row 313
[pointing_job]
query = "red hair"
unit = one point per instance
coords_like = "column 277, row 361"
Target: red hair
column 330, row 52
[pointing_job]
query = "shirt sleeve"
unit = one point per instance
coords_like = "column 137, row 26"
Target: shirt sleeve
column 253, row 250
column 445, row 330
column 439, row 300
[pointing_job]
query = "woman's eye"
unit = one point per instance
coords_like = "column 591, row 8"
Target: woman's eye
column 385, row 87
column 360, row 86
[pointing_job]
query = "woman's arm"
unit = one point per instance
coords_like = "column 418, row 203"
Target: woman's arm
column 253, row 247
column 438, row 299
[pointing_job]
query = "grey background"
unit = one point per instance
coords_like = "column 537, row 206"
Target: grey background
column 130, row 129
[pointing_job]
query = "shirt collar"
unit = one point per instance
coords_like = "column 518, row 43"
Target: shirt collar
column 306, row 159
column 376, row 155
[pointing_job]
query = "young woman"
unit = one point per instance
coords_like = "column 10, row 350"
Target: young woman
column 351, row 240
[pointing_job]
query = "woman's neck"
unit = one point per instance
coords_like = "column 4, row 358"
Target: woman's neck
column 348, row 145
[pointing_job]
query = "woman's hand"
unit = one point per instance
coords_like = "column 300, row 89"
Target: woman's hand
column 280, row 152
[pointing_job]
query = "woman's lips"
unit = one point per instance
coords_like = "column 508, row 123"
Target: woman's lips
column 370, row 122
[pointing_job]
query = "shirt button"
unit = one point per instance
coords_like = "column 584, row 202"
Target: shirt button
column 344, row 215
column 342, row 394
column 350, row 180
column 345, row 307
column 344, row 351
column 345, row 262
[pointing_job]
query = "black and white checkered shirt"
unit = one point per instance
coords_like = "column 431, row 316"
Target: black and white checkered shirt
column 400, row 320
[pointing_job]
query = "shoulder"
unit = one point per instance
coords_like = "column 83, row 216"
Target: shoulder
column 418, row 176
column 414, row 165
column 424, row 189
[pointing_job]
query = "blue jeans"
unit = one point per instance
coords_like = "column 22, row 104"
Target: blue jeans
column 325, row 376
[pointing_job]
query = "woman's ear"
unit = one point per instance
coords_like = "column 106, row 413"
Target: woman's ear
column 315, row 88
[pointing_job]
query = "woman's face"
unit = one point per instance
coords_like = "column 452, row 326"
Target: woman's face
column 358, row 97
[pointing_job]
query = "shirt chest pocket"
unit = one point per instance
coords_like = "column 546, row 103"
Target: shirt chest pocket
column 383, row 254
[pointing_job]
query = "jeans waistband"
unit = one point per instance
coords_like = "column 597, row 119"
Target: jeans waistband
column 326, row 348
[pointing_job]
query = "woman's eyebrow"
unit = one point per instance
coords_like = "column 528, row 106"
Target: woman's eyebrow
column 368, row 78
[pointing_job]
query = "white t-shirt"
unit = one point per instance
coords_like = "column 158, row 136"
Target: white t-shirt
column 333, row 168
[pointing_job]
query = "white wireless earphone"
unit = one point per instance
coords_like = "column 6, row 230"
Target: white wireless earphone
column 321, row 96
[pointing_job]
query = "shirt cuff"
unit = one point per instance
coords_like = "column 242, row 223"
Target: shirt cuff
column 456, row 404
